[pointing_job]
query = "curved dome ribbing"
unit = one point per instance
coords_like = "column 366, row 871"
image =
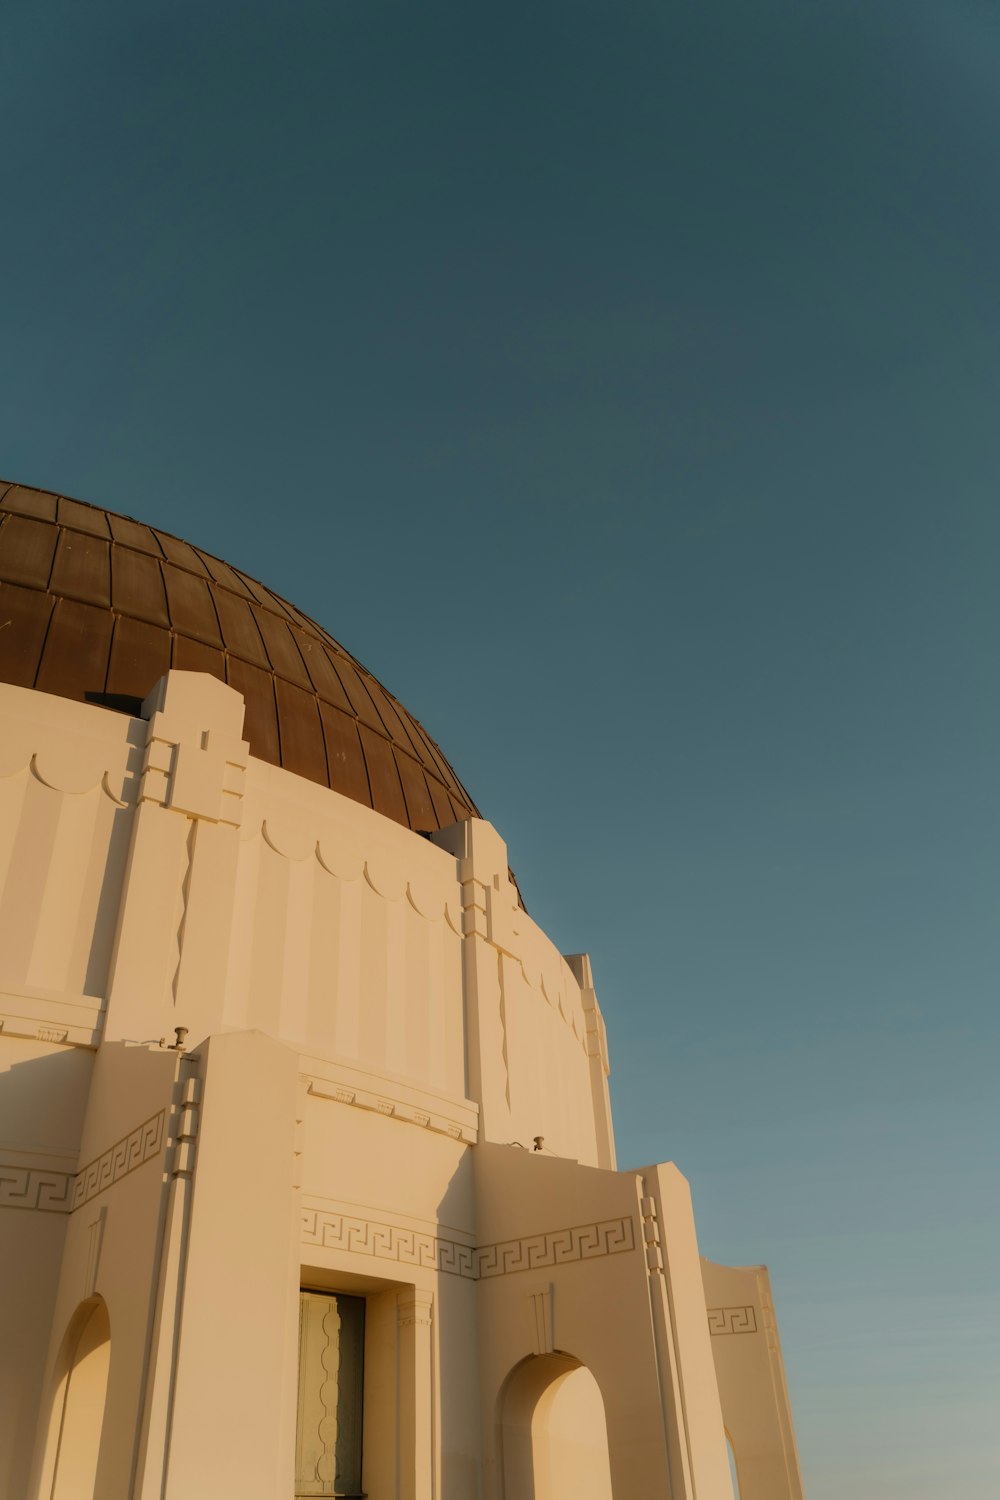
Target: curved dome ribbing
column 97, row 607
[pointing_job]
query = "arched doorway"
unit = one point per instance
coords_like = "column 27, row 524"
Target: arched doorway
column 78, row 1409
column 554, row 1437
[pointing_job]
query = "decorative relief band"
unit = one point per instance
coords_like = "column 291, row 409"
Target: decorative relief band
column 53, row 1033
column 62, row 1192
column 36, row 1188
column 459, row 1129
column 338, row 1231
column 75, row 1020
column 68, row 762
column 731, row 1320
column 338, row 852
column 414, row 1309
column 199, row 774
column 408, row 1247
column 145, row 1141
column 582, row 1242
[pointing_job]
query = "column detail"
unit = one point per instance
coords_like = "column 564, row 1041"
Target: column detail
column 172, row 945
column 414, row 1310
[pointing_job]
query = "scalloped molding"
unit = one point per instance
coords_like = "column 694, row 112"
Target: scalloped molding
column 66, row 762
column 338, row 853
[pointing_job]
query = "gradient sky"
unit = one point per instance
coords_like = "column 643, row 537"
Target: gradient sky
column 619, row 382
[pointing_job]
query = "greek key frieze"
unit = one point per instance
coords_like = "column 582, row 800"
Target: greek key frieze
column 133, row 1150
column 35, row 1188
column 51, row 1192
column 731, row 1320
column 408, row 1247
column 339, row 1231
column 557, row 1247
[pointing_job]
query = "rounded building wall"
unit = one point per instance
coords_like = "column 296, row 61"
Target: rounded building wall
column 370, row 1004
column 137, row 897
column 292, row 895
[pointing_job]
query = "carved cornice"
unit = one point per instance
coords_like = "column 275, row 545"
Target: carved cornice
column 456, row 1118
column 415, row 1308
column 51, row 1016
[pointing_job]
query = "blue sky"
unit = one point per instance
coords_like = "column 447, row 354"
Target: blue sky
column 620, row 383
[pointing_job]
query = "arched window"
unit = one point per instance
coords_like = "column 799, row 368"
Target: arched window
column 78, row 1408
column 554, row 1433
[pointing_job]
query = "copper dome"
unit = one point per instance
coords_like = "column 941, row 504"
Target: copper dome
column 97, row 607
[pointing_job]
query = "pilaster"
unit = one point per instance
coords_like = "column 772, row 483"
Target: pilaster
column 240, row 1257
column 175, row 919
column 692, row 1414
column 597, row 1055
column 414, row 1308
column 489, row 929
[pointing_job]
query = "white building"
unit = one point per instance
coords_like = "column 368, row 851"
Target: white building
column 307, row 1172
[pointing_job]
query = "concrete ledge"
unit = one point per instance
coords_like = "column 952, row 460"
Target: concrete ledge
column 47, row 1016
column 392, row 1096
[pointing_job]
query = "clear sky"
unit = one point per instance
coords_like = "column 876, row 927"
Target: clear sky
column 619, row 381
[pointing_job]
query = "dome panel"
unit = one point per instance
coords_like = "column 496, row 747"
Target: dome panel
column 25, row 615
column 76, row 649
column 137, row 586
column 140, row 653
column 82, row 569
column 96, row 607
column 27, row 548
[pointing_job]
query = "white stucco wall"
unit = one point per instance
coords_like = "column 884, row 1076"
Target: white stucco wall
column 67, row 785
column 306, row 916
column 376, row 1033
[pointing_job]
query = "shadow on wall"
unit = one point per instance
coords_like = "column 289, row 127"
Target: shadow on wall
column 456, row 1315
column 43, row 1098
column 66, row 1247
column 112, row 878
column 554, row 1437
column 42, row 1103
column 69, row 828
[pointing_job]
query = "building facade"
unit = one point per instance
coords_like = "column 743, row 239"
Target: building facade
column 307, row 1171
